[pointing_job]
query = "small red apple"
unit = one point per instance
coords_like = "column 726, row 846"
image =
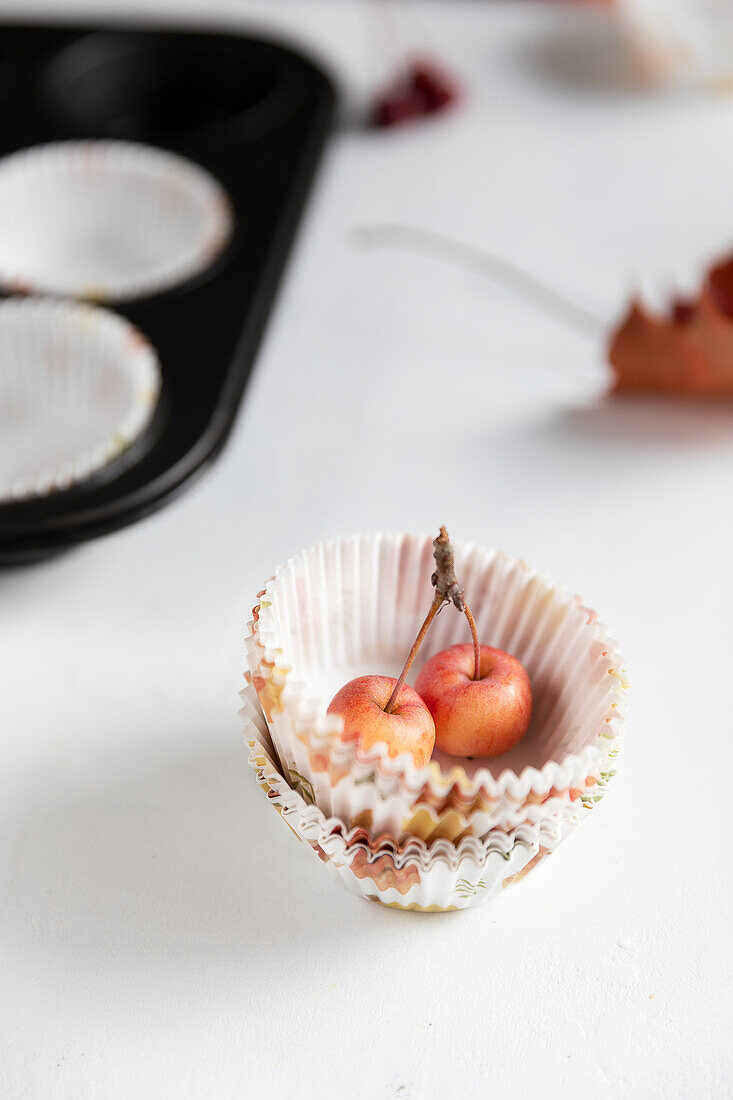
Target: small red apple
column 407, row 727
column 476, row 717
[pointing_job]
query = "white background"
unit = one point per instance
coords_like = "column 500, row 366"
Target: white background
column 163, row 934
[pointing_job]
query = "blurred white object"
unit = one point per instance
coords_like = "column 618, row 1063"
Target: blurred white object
column 682, row 41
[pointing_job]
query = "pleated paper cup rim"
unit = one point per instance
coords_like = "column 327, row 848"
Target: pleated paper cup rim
column 107, row 220
column 391, row 811
column 398, row 820
column 378, row 875
column 65, row 360
column 299, row 713
column 335, row 840
column 337, row 843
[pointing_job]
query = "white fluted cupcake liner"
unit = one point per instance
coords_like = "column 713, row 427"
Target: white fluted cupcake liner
column 78, row 385
column 107, row 220
column 353, row 606
column 448, row 877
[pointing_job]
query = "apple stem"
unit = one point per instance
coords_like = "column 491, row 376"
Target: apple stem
column 444, row 578
column 476, row 646
column 447, row 590
column 434, row 609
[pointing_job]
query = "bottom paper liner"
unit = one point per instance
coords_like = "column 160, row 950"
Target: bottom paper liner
column 439, row 888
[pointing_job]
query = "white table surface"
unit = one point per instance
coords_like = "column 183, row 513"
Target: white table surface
column 163, row 934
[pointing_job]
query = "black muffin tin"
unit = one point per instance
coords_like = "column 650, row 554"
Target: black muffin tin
column 252, row 113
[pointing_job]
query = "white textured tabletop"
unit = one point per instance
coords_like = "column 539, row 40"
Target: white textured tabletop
column 163, row 933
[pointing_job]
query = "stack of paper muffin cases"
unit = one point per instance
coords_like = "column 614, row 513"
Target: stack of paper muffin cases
column 389, row 828
column 436, row 877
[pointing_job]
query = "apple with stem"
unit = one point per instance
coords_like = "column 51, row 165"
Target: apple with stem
column 471, row 700
column 381, row 709
column 480, row 698
column 483, row 715
column 407, row 727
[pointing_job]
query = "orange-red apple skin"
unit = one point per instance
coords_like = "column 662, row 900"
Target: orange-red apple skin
column 408, row 728
column 483, row 717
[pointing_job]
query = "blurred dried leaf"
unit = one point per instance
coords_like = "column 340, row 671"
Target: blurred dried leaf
column 689, row 352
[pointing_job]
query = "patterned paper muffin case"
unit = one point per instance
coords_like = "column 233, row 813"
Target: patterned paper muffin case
column 353, row 606
column 446, row 879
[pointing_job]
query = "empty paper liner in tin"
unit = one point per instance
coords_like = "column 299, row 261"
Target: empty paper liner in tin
column 353, row 606
column 473, row 876
column 78, row 386
column 107, row 220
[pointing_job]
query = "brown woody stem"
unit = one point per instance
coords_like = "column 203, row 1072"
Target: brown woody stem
column 476, row 646
column 447, row 590
column 434, row 609
column 444, row 578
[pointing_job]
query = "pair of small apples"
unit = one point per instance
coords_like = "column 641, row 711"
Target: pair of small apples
column 470, row 700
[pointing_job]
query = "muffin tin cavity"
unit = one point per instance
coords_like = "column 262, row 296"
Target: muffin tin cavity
column 107, row 220
column 203, row 89
column 78, row 385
